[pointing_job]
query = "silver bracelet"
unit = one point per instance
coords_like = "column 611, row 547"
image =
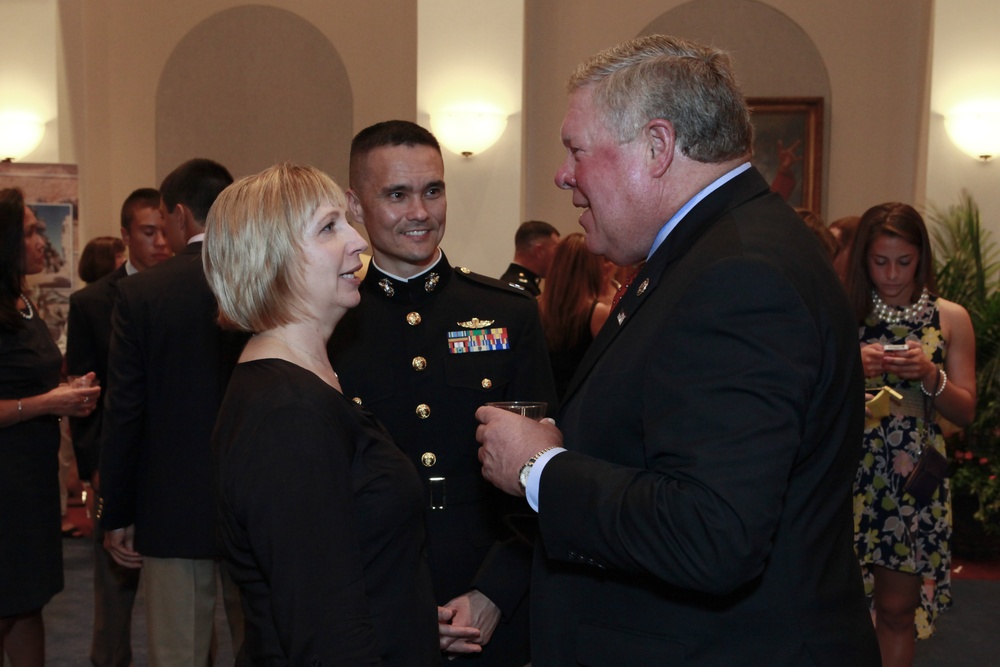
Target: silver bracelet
column 943, row 377
column 19, row 411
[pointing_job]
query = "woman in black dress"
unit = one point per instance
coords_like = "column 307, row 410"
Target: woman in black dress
column 31, row 402
column 320, row 513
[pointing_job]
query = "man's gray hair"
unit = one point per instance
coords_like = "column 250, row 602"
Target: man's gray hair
column 658, row 76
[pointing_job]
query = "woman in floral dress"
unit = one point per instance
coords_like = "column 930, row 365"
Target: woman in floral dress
column 903, row 544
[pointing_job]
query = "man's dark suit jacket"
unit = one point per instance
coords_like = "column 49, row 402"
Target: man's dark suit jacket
column 168, row 367
column 88, row 334
column 702, row 513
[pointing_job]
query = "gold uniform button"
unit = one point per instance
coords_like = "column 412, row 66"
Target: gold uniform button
column 419, row 363
column 357, row 399
column 428, row 459
column 423, row 411
column 413, row 319
column 464, row 270
column 487, row 383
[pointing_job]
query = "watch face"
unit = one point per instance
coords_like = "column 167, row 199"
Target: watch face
column 522, row 477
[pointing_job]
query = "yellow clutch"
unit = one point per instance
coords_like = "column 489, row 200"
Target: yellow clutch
column 878, row 407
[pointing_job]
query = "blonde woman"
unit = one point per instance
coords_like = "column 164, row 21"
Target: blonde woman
column 320, row 512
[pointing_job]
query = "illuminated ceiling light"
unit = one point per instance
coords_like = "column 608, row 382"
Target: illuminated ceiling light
column 468, row 131
column 20, row 134
column 975, row 128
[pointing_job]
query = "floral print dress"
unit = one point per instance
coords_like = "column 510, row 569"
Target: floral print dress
column 890, row 528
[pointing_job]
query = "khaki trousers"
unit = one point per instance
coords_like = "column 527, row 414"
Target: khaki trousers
column 180, row 611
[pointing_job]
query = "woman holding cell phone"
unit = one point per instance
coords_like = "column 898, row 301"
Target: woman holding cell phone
column 923, row 347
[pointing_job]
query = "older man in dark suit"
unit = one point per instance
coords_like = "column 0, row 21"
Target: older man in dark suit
column 694, row 508
column 168, row 367
column 88, row 336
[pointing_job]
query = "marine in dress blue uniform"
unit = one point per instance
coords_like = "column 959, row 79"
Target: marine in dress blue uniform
column 426, row 347
column 422, row 355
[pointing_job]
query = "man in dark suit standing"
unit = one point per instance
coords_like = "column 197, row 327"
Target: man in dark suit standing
column 168, row 366
column 88, row 336
column 428, row 345
column 694, row 500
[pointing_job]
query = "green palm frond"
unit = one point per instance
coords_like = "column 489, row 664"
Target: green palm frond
column 968, row 265
column 967, row 270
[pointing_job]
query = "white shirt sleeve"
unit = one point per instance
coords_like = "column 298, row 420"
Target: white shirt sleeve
column 535, row 476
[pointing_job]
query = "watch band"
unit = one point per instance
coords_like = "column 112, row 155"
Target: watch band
column 522, row 476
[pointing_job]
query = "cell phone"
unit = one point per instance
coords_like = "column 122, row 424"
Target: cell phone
column 895, row 348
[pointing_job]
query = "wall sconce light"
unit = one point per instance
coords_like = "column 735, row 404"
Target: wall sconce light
column 468, row 131
column 975, row 128
column 20, row 134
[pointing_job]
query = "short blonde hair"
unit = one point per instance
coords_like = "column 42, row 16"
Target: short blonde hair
column 253, row 243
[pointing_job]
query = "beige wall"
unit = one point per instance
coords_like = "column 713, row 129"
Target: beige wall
column 485, row 190
column 875, row 55
column 29, row 68
column 966, row 65
column 884, row 142
column 119, row 48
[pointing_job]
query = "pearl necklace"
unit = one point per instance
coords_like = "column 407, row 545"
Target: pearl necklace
column 31, row 311
column 895, row 314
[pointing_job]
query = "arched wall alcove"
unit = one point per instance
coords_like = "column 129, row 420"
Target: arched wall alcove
column 776, row 58
column 251, row 86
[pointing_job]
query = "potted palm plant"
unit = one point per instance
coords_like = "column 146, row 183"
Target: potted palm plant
column 968, row 272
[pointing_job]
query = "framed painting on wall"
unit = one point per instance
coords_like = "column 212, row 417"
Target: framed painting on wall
column 788, row 147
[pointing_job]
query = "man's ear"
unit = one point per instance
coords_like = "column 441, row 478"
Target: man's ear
column 186, row 217
column 176, row 217
column 354, row 206
column 661, row 141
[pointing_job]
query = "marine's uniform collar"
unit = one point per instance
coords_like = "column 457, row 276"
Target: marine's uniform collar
column 420, row 287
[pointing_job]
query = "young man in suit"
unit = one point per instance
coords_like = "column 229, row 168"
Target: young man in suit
column 168, row 366
column 88, row 336
column 693, row 497
column 428, row 344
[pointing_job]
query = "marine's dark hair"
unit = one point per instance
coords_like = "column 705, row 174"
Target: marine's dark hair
column 387, row 133
column 531, row 230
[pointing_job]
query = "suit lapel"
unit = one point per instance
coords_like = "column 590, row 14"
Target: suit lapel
column 700, row 219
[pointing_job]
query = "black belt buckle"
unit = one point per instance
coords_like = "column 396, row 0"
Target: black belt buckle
column 437, row 494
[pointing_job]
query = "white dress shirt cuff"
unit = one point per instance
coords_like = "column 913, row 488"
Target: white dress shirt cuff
column 535, row 476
